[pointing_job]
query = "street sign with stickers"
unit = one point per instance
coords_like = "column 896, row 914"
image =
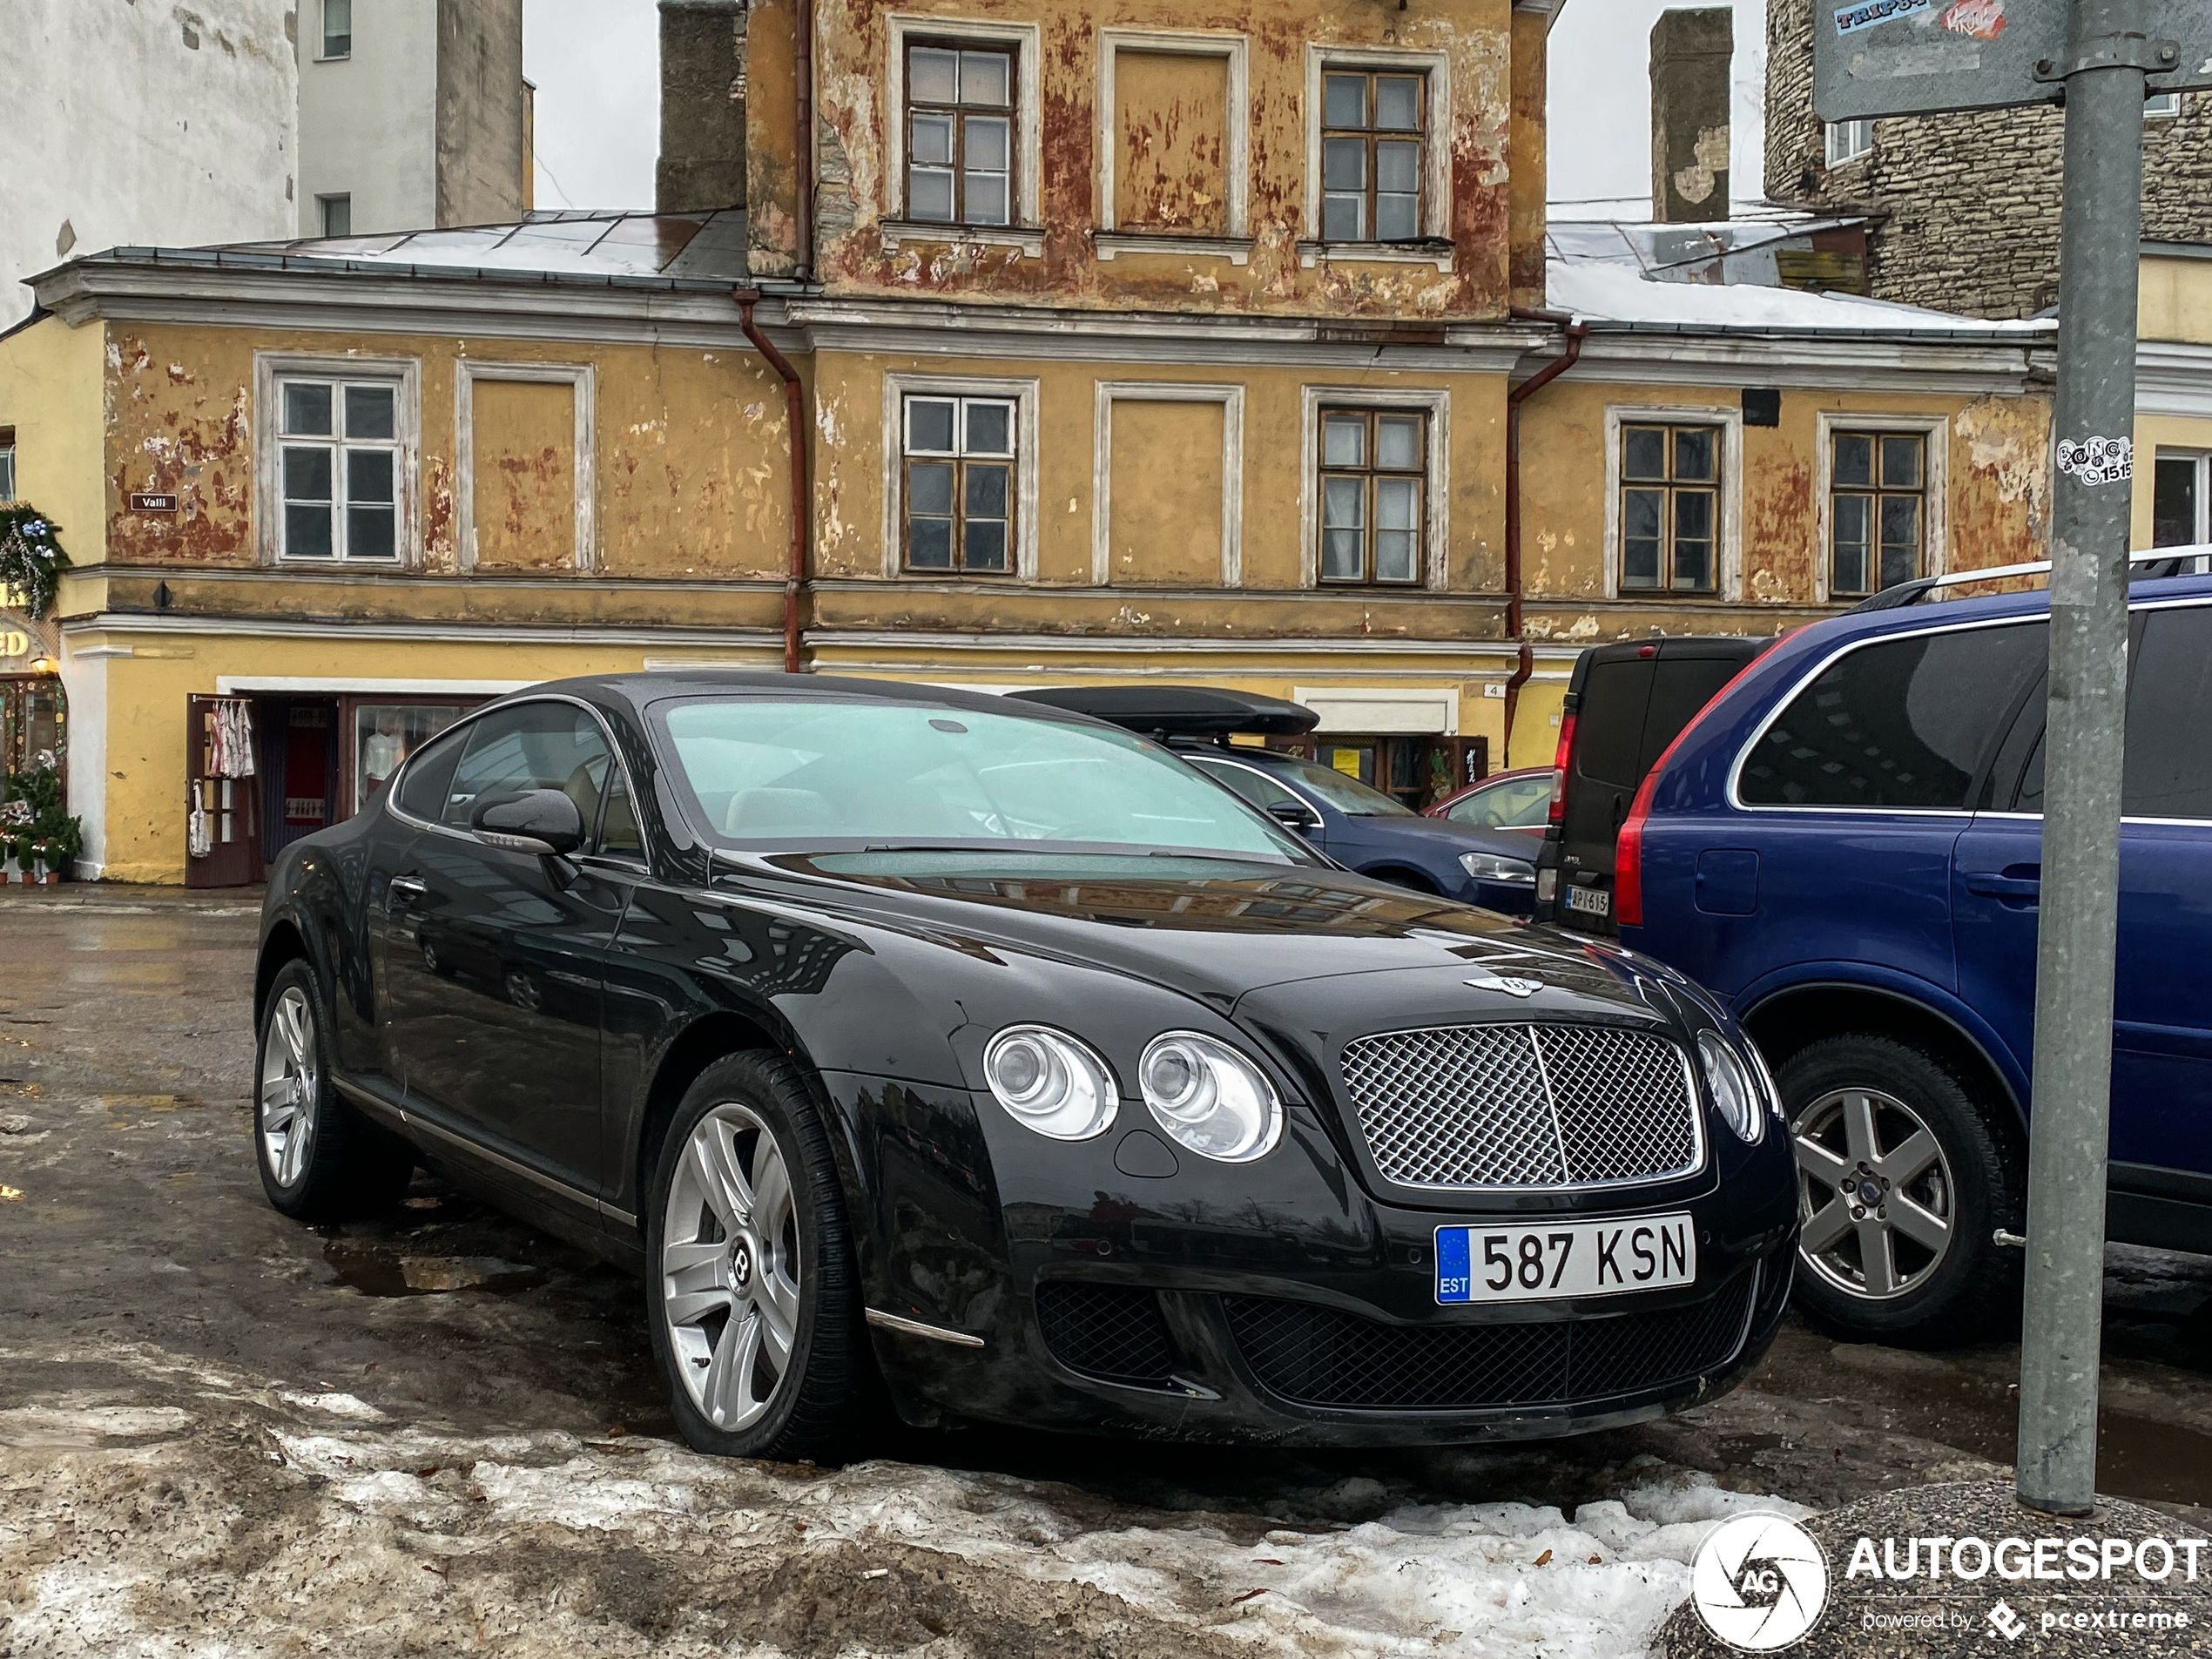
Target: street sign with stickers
column 1876, row 57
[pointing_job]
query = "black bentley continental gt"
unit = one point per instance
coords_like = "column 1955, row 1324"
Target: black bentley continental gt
column 993, row 1058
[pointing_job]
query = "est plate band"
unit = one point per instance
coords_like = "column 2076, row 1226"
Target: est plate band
column 1538, row 1260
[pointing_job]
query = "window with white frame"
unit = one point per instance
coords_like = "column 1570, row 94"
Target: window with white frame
column 2160, row 105
column 1373, row 143
column 1877, row 511
column 7, row 463
column 337, row 29
column 1374, row 491
column 1669, row 511
column 1849, row 140
column 959, row 133
column 957, row 485
column 340, row 455
column 2181, row 500
column 335, row 214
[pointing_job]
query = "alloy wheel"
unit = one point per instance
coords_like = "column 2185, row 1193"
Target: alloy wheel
column 730, row 1267
column 291, row 1087
column 1875, row 1194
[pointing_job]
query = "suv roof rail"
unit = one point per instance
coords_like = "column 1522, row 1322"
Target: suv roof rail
column 1906, row 593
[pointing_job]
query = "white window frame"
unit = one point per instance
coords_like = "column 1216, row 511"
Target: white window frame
column 323, row 54
column 1849, row 141
column 1437, row 538
column 1231, row 401
column 897, row 389
column 2161, row 106
column 1232, row 49
column 1027, row 43
column 1936, row 535
column 959, row 454
column 2200, row 459
column 1727, row 585
column 583, row 380
column 1436, row 156
column 405, row 375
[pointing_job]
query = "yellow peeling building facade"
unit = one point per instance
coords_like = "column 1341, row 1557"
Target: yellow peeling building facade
column 1129, row 341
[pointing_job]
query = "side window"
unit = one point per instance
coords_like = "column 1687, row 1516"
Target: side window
column 533, row 745
column 1523, row 802
column 430, row 778
column 1261, row 792
column 1902, row 723
column 618, row 831
column 1608, row 731
column 2169, row 741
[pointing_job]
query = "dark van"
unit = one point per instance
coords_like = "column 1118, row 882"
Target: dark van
column 1626, row 703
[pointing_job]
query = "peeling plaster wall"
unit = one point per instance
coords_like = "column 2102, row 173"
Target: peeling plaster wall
column 691, row 467
column 139, row 122
column 1477, row 38
column 1997, row 506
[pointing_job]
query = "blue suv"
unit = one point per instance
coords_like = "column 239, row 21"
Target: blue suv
column 1845, row 845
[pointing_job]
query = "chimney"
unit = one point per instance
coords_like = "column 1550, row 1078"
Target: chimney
column 1689, row 104
column 702, row 105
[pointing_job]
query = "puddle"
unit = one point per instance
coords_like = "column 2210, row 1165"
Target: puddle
column 374, row 1273
column 1976, row 1410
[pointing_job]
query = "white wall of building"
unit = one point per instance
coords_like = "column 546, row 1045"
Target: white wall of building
column 135, row 121
column 368, row 121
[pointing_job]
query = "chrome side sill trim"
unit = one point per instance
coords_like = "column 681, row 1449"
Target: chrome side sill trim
column 916, row 1328
column 378, row 1107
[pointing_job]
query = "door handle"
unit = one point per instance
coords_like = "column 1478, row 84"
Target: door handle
column 2005, row 886
column 404, row 887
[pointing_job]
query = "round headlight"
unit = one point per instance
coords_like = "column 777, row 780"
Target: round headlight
column 1210, row 1098
column 1770, row 1090
column 1050, row 1083
column 1739, row 1099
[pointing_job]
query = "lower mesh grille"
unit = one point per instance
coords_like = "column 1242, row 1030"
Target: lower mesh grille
column 1111, row 1332
column 1319, row 1356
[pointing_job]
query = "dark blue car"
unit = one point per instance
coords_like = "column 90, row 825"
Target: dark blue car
column 1845, row 845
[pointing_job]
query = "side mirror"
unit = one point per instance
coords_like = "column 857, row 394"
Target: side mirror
column 1295, row 816
column 542, row 821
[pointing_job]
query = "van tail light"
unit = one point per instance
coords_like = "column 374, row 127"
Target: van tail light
column 1628, row 851
column 1558, row 809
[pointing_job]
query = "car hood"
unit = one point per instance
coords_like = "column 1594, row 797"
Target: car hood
column 1225, row 932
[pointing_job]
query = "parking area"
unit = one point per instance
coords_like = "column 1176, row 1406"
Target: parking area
column 441, row 1430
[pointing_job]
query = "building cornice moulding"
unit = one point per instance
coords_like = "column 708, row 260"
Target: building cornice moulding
column 1798, row 363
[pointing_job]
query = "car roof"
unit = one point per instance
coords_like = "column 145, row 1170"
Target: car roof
column 640, row 691
column 1180, row 711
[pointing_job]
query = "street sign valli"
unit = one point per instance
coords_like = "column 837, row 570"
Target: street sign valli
column 1875, row 57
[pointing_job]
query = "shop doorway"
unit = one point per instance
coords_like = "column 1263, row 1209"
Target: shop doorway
column 265, row 770
column 1417, row 769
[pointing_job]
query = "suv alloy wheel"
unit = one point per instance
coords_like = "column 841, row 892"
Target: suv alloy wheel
column 1903, row 1179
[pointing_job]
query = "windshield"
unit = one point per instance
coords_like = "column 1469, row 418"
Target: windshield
column 1345, row 793
column 818, row 772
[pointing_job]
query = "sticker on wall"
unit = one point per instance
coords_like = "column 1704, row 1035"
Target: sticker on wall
column 1982, row 19
column 2098, row 461
column 1865, row 14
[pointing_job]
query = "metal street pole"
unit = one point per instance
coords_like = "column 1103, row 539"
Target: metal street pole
column 2106, row 53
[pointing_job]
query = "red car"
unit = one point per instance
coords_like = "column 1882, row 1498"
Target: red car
column 1512, row 800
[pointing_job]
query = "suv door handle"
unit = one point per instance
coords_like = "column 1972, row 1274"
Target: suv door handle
column 404, row 887
column 2012, row 887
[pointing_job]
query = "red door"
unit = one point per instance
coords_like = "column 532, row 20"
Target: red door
column 222, row 848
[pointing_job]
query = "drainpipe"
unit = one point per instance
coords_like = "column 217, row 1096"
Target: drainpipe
column 1573, row 333
column 801, row 492
column 803, row 267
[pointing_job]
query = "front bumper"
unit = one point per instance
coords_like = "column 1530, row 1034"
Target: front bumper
column 1272, row 1302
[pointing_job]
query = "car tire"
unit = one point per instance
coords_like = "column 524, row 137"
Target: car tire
column 1886, row 1139
column 751, row 1293
column 320, row 1159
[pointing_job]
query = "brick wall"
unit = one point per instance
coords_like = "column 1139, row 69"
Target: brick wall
column 1970, row 202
